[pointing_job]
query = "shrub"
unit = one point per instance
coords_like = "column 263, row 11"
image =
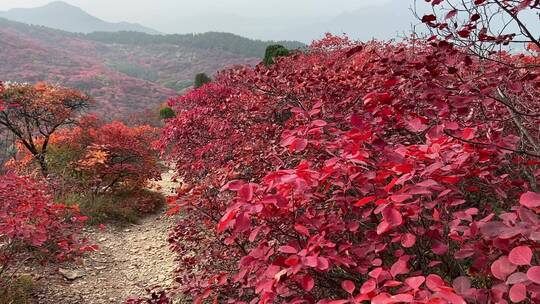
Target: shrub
column 360, row 172
column 118, row 207
column 32, row 224
column 103, row 167
column 18, row 292
column 104, row 157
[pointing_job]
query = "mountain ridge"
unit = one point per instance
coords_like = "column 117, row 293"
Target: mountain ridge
column 64, row 16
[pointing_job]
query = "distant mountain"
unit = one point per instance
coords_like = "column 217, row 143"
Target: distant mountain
column 384, row 21
column 218, row 41
column 379, row 18
column 63, row 16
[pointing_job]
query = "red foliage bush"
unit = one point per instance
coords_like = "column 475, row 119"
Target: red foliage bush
column 30, row 221
column 98, row 157
column 114, row 154
column 360, row 172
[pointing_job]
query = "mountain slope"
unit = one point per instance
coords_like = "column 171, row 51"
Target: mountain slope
column 63, row 16
column 225, row 42
column 123, row 76
column 27, row 59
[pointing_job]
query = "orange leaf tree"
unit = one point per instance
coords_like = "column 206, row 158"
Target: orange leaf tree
column 33, row 113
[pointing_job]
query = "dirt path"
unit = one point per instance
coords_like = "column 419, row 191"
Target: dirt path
column 130, row 260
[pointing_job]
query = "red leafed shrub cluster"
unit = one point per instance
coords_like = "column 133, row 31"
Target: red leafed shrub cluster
column 390, row 173
column 99, row 156
column 111, row 155
column 30, row 221
column 103, row 167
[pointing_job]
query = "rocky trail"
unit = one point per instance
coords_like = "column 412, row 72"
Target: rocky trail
column 130, row 260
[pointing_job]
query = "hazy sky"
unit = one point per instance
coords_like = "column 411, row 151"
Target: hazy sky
column 147, row 10
column 274, row 19
column 268, row 19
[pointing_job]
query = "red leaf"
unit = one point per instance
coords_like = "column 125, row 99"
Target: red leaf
column 408, row 240
column 435, row 282
column 429, row 18
column 357, row 121
column 399, row 267
column 225, row 220
column 368, row 286
column 307, row 283
column 415, row 282
column 521, row 255
column 502, row 268
column 451, row 14
column 464, row 33
column 468, row 133
column 319, row 123
column 288, row 249
column 530, row 199
column 301, row 229
column 322, row 263
column 354, row 50
column 452, row 297
column 523, row 5
column 534, row 274
column 518, row 293
column 392, row 216
column 461, row 284
column 364, row 201
column 298, row 145
column 416, row 125
column 246, row 192
column 399, row 198
column 348, row 286
column 173, row 210
column 516, row 277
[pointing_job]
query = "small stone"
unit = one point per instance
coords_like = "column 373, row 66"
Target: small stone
column 127, row 230
column 103, row 239
column 71, row 274
column 101, row 267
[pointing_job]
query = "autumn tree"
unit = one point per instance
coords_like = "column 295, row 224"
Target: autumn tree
column 33, row 113
column 498, row 32
column 485, row 26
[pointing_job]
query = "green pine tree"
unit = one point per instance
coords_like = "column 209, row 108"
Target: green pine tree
column 201, row 79
column 167, row 113
column 273, row 51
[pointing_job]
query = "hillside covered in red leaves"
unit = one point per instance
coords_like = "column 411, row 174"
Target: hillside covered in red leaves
column 122, row 78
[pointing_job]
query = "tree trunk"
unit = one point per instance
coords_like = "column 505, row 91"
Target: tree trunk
column 42, row 165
